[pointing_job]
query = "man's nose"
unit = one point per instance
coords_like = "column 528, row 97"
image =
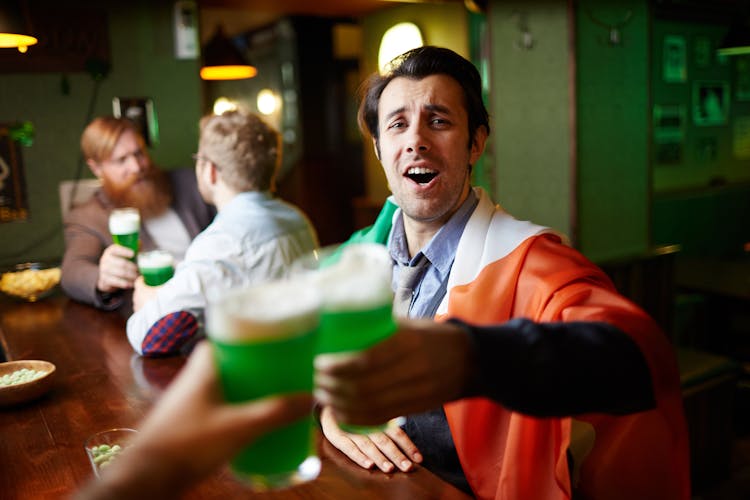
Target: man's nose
column 417, row 140
column 134, row 163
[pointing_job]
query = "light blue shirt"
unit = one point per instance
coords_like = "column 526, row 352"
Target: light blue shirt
column 440, row 253
column 255, row 237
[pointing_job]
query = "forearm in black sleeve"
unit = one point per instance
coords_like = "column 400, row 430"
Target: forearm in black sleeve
column 560, row 369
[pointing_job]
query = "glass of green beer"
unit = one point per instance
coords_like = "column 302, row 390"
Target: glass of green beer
column 357, row 312
column 156, row 267
column 264, row 339
column 124, row 225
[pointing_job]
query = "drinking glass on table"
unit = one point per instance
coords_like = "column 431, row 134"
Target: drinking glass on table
column 357, row 312
column 264, row 339
column 125, row 225
column 103, row 447
column 156, row 267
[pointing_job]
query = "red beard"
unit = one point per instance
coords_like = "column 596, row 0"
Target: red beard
column 149, row 192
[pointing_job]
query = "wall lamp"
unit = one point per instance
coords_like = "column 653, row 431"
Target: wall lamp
column 222, row 60
column 397, row 40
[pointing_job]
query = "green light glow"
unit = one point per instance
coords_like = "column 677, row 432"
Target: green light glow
column 734, row 51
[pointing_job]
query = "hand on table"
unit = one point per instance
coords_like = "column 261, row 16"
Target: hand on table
column 384, row 449
column 116, row 271
column 423, row 365
column 142, row 293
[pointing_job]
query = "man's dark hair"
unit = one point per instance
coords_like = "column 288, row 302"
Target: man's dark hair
column 417, row 64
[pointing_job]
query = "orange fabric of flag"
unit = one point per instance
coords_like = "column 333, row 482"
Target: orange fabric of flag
column 507, row 455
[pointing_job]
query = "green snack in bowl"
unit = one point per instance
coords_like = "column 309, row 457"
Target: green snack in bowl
column 103, row 454
column 20, row 377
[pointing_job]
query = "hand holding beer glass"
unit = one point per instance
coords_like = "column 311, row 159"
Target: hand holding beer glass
column 355, row 286
column 264, row 340
column 125, row 225
column 156, row 267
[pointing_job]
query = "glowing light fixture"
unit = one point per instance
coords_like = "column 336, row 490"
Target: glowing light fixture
column 222, row 60
column 397, row 40
column 223, row 104
column 12, row 28
column 736, row 42
column 267, row 102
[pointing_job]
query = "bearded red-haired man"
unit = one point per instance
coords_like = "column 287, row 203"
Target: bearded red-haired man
column 94, row 269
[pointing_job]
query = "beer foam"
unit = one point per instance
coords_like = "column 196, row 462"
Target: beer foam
column 360, row 279
column 124, row 222
column 155, row 258
column 276, row 309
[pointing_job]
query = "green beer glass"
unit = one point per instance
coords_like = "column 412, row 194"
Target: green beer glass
column 357, row 313
column 124, row 225
column 264, row 340
column 156, row 267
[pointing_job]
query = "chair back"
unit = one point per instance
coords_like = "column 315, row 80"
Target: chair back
column 76, row 192
column 648, row 280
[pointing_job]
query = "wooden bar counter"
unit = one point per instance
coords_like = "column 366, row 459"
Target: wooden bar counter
column 101, row 384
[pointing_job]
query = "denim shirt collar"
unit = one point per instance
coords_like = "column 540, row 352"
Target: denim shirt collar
column 441, row 249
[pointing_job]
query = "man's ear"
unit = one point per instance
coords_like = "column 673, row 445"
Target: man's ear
column 213, row 172
column 478, row 144
column 95, row 167
column 376, row 147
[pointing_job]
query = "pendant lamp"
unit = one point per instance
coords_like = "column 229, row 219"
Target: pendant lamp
column 222, row 60
column 13, row 32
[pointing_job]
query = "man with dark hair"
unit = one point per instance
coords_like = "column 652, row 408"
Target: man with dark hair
column 94, row 269
column 537, row 380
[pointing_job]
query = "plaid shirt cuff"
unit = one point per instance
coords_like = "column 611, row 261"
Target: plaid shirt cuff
column 171, row 332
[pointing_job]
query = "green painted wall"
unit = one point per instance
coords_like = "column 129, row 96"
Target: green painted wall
column 705, row 152
column 701, row 168
column 530, row 112
column 141, row 46
column 613, row 123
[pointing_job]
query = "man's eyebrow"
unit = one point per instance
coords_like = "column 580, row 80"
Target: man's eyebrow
column 429, row 107
column 125, row 155
column 395, row 112
column 438, row 107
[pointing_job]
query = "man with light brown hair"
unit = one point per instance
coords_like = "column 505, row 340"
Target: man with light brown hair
column 94, row 269
column 255, row 236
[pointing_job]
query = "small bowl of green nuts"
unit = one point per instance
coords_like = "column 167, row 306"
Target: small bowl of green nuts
column 103, row 447
column 24, row 380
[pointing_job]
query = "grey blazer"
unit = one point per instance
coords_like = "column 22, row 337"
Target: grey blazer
column 86, row 229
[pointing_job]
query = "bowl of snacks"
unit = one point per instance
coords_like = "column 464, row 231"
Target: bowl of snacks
column 30, row 281
column 24, row 380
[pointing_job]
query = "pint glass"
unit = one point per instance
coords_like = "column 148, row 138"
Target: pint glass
column 355, row 286
column 124, row 225
column 156, row 267
column 264, row 340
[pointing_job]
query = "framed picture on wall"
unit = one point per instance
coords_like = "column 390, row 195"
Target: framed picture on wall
column 141, row 111
column 702, row 51
column 675, row 59
column 669, row 133
column 14, row 203
column 710, row 103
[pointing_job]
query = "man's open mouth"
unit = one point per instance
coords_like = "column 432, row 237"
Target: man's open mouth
column 421, row 175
